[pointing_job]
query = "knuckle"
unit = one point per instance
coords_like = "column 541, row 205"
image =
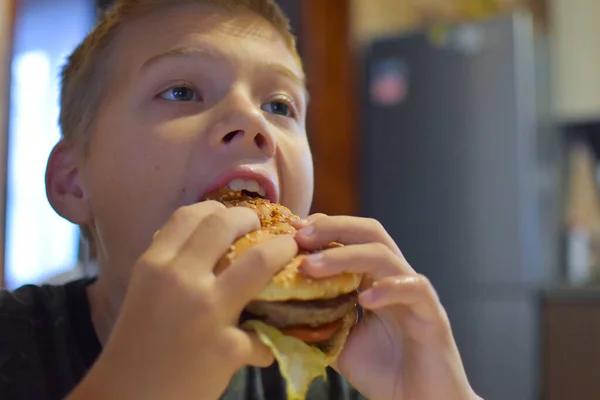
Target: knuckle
column 182, row 214
column 167, row 281
column 196, row 295
column 214, row 206
column 424, row 284
column 374, row 225
column 228, row 218
column 216, row 220
column 206, row 307
column 154, row 277
column 383, row 252
column 186, row 213
column 198, row 291
column 380, row 248
column 148, row 267
column 260, row 257
column 245, row 212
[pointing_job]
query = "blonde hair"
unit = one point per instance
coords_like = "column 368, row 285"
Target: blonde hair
column 85, row 77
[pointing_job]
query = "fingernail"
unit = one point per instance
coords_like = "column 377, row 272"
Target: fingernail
column 315, row 259
column 314, row 217
column 300, row 223
column 307, row 231
column 367, row 297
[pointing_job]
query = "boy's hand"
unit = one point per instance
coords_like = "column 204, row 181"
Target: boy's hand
column 403, row 348
column 177, row 334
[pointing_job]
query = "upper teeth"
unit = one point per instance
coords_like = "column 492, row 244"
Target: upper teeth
column 249, row 185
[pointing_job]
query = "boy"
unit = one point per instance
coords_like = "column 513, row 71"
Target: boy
column 164, row 102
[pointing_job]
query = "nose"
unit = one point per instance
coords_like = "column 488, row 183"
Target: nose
column 242, row 127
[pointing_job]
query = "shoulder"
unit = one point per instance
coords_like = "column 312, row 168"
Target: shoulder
column 26, row 315
column 30, row 307
column 31, row 318
column 35, row 312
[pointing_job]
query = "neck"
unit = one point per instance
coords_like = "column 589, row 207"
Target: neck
column 105, row 305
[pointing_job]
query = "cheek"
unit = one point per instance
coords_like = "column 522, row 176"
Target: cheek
column 297, row 177
column 143, row 158
column 308, row 169
column 137, row 166
column 135, row 186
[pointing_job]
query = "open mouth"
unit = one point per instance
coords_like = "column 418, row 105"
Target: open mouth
column 248, row 187
column 242, row 188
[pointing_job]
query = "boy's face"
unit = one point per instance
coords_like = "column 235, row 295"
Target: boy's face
column 197, row 94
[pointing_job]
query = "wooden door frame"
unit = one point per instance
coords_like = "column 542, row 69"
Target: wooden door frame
column 6, row 50
column 331, row 68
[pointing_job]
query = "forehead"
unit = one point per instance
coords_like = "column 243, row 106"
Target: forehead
column 237, row 35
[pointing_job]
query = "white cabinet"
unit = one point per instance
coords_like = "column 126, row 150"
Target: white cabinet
column 575, row 29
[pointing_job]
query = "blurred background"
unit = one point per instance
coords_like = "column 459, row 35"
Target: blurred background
column 469, row 128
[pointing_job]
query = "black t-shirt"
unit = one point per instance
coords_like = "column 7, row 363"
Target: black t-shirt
column 48, row 343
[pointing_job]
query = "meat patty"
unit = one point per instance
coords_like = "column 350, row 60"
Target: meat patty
column 295, row 313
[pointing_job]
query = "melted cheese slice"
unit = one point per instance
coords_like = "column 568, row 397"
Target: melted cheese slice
column 299, row 362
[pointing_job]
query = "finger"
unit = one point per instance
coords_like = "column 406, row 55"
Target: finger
column 301, row 223
column 344, row 229
column 246, row 348
column 214, row 235
column 260, row 355
column 252, row 271
column 374, row 259
column 174, row 234
column 414, row 292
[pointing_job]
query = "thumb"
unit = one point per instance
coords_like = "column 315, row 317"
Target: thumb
column 260, row 355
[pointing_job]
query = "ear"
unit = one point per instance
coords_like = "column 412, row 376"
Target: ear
column 64, row 185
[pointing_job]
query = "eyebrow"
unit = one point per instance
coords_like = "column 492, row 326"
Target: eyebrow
column 182, row 52
column 179, row 52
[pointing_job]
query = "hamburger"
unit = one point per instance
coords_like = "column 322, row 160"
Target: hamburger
column 304, row 321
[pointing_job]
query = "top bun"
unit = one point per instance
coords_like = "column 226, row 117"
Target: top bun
column 290, row 283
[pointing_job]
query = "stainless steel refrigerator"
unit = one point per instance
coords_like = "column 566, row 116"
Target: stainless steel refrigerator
column 462, row 165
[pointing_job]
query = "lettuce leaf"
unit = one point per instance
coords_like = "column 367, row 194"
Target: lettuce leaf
column 299, row 362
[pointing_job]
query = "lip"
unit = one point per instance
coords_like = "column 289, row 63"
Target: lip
column 261, row 175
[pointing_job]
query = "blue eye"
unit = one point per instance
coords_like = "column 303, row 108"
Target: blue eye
column 180, row 93
column 279, row 107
